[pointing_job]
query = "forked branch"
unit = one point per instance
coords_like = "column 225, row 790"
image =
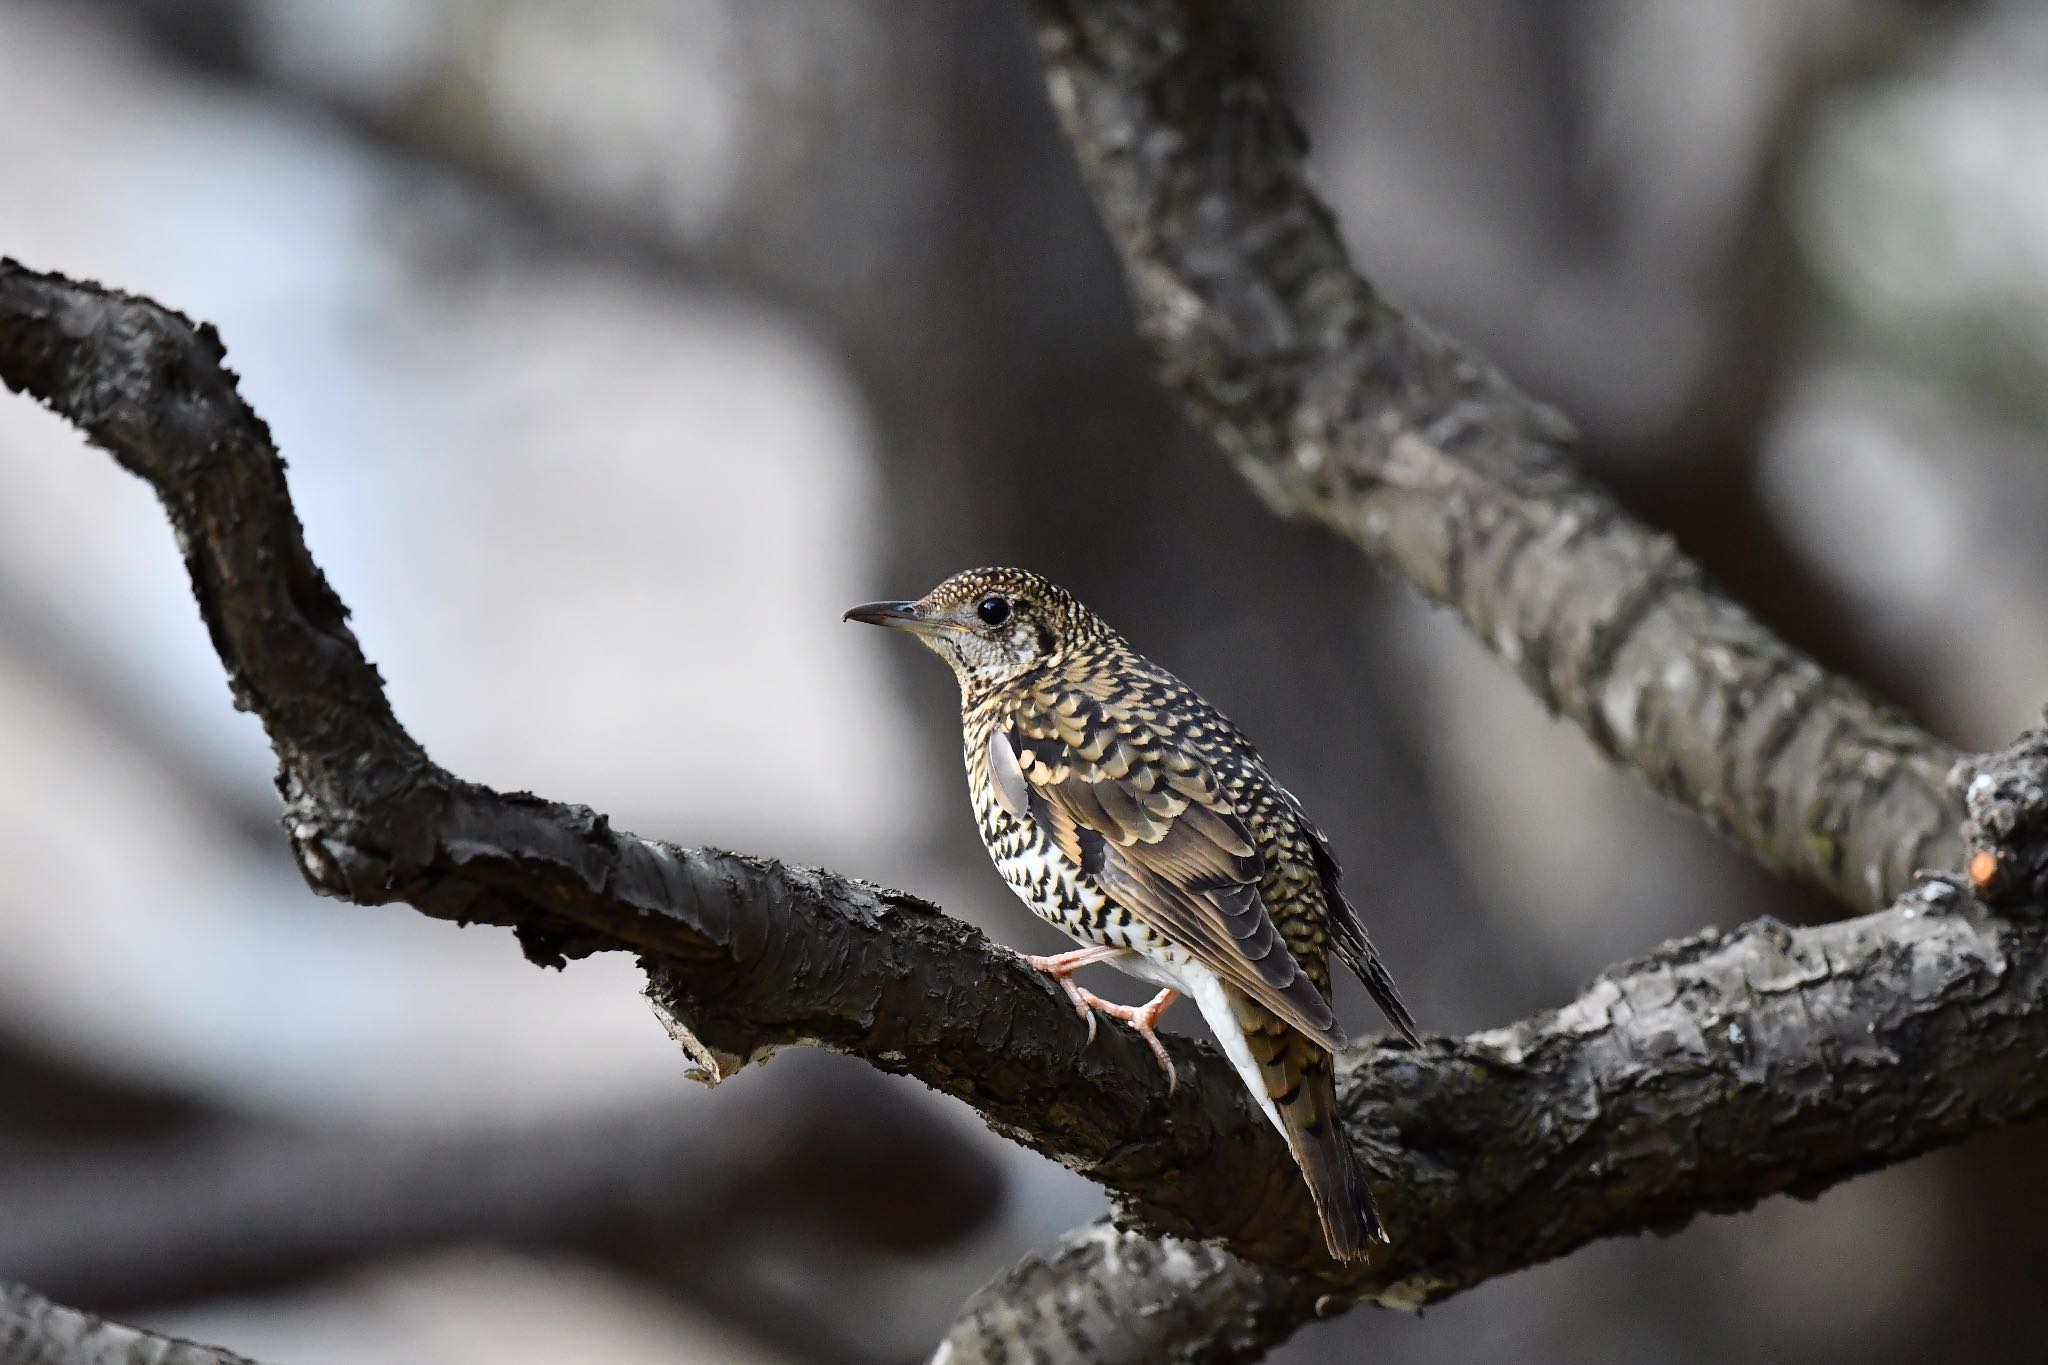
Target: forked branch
column 1708, row 1075
column 1339, row 409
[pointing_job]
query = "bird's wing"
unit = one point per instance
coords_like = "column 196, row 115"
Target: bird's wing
column 1347, row 935
column 1149, row 822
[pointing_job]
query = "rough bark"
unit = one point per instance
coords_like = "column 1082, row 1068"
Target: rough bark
column 34, row 1331
column 2007, row 829
column 1173, row 1301
column 1716, row 1072
column 1340, row 410
column 1711, row 1074
column 746, row 953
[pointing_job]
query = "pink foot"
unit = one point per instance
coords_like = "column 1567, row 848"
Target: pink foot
column 1061, row 968
column 1142, row 1019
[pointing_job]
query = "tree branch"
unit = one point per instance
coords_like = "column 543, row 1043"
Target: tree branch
column 1340, row 410
column 1705, row 1077
column 34, row 1331
column 746, row 954
column 1718, row 1071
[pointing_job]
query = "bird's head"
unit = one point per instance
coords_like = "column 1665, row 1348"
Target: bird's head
column 992, row 625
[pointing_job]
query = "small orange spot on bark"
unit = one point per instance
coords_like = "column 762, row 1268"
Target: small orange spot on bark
column 1983, row 869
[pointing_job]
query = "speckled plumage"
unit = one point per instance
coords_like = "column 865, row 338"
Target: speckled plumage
column 1125, row 810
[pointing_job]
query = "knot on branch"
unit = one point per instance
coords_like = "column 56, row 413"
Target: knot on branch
column 2007, row 824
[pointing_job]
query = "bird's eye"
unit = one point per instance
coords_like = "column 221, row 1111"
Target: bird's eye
column 993, row 610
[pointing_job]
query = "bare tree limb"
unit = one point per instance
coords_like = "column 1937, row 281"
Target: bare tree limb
column 34, row 1331
column 1718, row 1071
column 1107, row 1294
column 1340, row 410
column 1343, row 412
column 749, row 953
column 1709, row 1075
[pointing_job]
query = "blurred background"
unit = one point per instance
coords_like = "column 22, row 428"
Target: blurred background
column 617, row 345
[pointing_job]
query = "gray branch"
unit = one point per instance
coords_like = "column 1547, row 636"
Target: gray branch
column 1341, row 410
column 1709, row 1075
column 680, row 1192
column 34, row 1331
column 746, row 955
column 1714, row 1073
column 1108, row 1294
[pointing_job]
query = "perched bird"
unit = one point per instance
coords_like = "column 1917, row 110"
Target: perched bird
column 1134, row 816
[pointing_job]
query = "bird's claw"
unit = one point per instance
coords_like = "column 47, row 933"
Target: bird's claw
column 1061, row 968
column 1080, row 999
column 1142, row 1019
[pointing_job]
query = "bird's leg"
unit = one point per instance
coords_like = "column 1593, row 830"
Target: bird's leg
column 1061, row 968
column 1142, row 1019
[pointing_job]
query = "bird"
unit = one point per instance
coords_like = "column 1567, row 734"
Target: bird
column 1132, row 815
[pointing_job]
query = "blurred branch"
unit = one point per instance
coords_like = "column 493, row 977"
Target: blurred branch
column 686, row 1193
column 79, row 677
column 56, row 1102
column 1110, row 1296
column 34, row 1331
column 1709, row 1075
column 1339, row 409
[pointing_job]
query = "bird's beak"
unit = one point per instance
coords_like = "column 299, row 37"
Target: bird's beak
column 895, row 615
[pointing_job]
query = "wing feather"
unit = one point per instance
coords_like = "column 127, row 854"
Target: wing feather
column 1348, row 936
column 1150, row 823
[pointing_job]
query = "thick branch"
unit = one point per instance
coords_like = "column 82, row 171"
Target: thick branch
column 34, row 1331
column 1340, row 410
column 747, row 953
column 1710, row 1075
column 1705, row 1077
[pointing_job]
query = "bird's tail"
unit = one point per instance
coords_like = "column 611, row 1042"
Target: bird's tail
column 1300, row 1081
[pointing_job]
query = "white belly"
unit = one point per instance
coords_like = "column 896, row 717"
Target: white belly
column 1065, row 897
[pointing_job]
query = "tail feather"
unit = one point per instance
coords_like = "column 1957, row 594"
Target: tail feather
column 1299, row 1079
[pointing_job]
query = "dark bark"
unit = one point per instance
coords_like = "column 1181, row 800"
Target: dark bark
column 2007, row 828
column 34, row 1331
column 1709, row 1075
column 751, row 953
column 1340, row 410
column 1714, row 1073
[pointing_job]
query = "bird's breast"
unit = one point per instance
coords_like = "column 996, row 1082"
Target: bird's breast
column 1053, row 886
